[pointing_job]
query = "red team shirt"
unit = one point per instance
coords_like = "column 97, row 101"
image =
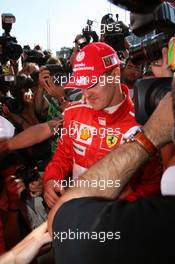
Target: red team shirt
column 88, row 135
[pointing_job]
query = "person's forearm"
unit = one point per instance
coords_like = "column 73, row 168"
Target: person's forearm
column 119, row 165
column 39, row 100
column 22, row 253
column 16, row 119
column 25, row 251
column 7, row 258
column 30, row 136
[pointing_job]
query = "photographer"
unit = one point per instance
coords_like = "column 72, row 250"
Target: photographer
column 161, row 69
column 20, row 111
column 52, row 77
column 130, row 73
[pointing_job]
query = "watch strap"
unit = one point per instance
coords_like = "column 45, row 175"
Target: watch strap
column 140, row 138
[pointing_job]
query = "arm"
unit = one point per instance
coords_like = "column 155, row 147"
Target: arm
column 14, row 118
column 121, row 163
column 28, row 248
column 31, row 136
column 47, row 81
column 12, row 230
column 40, row 102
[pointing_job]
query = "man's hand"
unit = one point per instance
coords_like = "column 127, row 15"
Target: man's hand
column 55, row 126
column 36, row 188
column 43, row 76
column 52, row 192
column 47, row 82
column 14, row 188
column 28, row 248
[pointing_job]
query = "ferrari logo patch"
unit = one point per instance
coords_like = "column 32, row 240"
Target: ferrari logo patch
column 111, row 141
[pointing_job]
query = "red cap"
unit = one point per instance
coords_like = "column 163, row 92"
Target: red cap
column 90, row 63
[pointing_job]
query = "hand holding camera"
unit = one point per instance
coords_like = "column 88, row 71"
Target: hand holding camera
column 36, row 188
column 49, row 80
column 14, row 188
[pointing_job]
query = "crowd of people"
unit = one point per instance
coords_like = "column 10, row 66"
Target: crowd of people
column 74, row 160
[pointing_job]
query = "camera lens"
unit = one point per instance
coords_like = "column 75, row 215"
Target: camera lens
column 156, row 92
column 149, row 50
column 13, row 50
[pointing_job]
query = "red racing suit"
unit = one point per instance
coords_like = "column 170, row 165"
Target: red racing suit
column 88, row 135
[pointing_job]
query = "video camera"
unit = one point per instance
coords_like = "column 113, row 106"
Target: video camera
column 137, row 6
column 158, row 16
column 34, row 56
column 27, row 174
column 162, row 19
column 87, row 36
column 145, row 18
column 113, row 32
column 9, row 49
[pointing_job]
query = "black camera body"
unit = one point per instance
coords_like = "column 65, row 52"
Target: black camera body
column 149, row 50
column 113, row 32
column 162, row 19
column 153, row 15
column 59, row 73
column 147, row 94
column 34, row 56
column 87, row 36
column 137, row 6
column 14, row 105
column 54, row 68
column 9, row 49
column 27, row 174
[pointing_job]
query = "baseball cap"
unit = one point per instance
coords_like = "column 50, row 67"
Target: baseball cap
column 90, row 63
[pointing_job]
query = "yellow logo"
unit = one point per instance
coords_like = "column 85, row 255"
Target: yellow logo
column 111, row 141
column 85, row 133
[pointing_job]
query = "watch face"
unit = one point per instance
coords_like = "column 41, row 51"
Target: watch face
column 132, row 131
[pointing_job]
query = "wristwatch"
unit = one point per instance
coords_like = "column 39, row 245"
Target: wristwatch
column 141, row 139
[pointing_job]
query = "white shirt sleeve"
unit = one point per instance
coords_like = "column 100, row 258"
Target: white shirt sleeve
column 167, row 184
column 7, row 130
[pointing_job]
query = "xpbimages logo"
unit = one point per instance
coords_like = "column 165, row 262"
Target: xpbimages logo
column 82, row 80
column 102, row 132
column 84, row 235
column 81, row 183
